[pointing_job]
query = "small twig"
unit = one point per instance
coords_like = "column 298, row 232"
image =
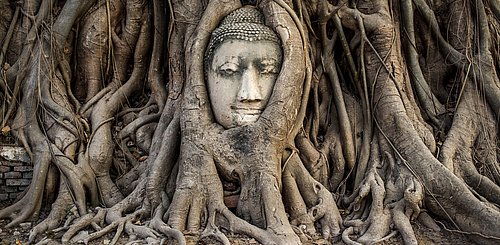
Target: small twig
column 393, row 233
column 467, row 232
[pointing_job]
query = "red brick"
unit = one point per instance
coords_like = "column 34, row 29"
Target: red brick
column 231, row 201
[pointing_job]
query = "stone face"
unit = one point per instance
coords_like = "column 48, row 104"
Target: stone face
column 14, row 153
column 240, row 80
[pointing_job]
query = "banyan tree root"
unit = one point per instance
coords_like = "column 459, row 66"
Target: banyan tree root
column 307, row 201
column 395, row 200
column 282, row 197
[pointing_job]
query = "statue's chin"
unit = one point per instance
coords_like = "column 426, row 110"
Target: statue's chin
column 242, row 119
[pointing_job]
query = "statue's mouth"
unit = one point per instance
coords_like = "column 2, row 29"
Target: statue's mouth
column 248, row 110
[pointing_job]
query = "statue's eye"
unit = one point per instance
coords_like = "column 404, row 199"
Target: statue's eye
column 228, row 69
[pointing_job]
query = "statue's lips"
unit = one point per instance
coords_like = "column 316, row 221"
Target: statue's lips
column 248, row 111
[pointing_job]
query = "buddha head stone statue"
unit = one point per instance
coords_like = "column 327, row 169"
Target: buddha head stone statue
column 242, row 62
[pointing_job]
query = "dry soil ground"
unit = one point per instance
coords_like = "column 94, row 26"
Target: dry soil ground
column 19, row 235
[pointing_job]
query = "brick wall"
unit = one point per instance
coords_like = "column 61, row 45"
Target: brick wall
column 15, row 172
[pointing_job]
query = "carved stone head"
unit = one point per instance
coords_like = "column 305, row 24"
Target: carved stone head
column 242, row 62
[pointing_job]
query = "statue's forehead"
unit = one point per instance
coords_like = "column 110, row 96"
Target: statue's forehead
column 238, row 50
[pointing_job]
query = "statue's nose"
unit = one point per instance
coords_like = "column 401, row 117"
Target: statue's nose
column 250, row 89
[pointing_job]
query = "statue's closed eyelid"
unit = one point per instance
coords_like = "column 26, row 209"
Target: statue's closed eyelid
column 228, row 65
column 228, row 68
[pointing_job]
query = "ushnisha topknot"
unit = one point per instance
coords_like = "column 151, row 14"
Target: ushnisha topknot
column 246, row 23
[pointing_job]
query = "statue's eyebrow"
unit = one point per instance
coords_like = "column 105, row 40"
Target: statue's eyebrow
column 269, row 61
column 232, row 60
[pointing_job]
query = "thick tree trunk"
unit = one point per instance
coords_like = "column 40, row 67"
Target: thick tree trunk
column 384, row 108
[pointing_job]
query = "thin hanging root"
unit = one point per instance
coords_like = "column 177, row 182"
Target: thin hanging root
column 367, row 114
column 6, row 43
column 345, row 127
column 430, row 105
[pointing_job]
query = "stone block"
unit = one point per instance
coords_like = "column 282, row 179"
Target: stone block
column 13, row 163
column 2, row 182
column 11, row 189
column 14, row 153
column 12, row 175
column 23, row 168
column 4, row 197
column 4, row 169
column 17, row 182
column 27, row 175
column 13, row 195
